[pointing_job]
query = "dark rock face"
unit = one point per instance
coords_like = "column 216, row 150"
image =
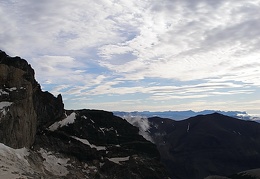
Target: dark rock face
column 110, row 142
column 17, row 114
column 48, row 108
column 26, row 108
column 249, row 174
column 207, row 145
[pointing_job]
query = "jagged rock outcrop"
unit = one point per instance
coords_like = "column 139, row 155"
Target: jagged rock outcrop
column 65, row 144
column 24, row 108
column 48, row 108
column 18, row 118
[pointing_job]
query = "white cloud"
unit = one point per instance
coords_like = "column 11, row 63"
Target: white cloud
column 108, row 47
column 142, row 123
column 197, row 45
column 58, row 27
column 59, row 69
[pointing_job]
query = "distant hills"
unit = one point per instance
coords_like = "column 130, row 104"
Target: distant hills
column 180, row 115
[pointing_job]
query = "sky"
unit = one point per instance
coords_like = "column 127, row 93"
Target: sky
column 138, row 55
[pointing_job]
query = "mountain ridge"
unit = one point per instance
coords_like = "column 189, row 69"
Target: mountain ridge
column 212, row 144
column 181, row 115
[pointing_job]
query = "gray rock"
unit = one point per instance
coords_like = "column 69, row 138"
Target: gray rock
column 31, row 109
column 18, row 120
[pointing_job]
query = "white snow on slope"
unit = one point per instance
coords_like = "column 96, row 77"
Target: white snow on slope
column 253, row 173
column 68, row 120
column 188, row 128
column 117, row 160
column 12, row 89
column 13, row 162
column 3, row 92
column 86, row 142
column 53, row 164
column 102, row 129
column 5, row 104
column 26, row 164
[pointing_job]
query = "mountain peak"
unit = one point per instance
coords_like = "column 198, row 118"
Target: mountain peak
column 207, row 145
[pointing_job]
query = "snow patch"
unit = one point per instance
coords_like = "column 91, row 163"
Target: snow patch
column 19, row 153
column 117, row 160
column 106, row 129
column 3, row 92
column 116, row 133
column 53, row 164
column 188, row 128
column 13, row 162
column 84, row 117
column 160, row 134
column 12, row 89
column 86, row 142
column 68, row 120
column 92, row 121
column 101, row 129
column 5, row 104
column 235, row 132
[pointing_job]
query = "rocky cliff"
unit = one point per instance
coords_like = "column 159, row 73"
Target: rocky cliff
column 24, row 108
column 18, row 116
column 64, row 144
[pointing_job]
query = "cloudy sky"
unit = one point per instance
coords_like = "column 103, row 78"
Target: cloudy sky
column 140, row 54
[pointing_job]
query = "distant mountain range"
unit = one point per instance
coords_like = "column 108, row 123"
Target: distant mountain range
column 180, row 115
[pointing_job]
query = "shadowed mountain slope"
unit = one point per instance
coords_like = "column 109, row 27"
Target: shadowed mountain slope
column 205, row 145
